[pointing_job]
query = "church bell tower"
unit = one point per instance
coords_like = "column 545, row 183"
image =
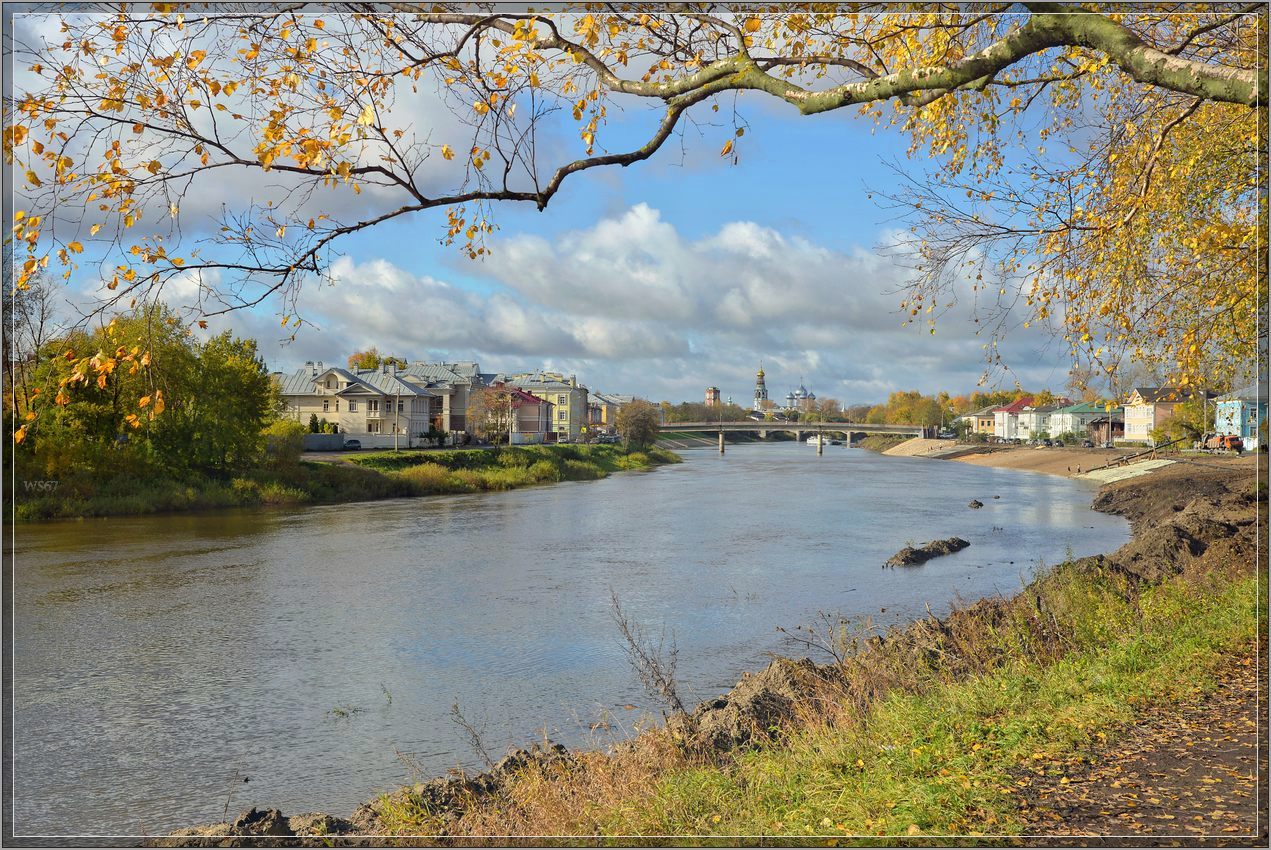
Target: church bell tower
column 761, row 390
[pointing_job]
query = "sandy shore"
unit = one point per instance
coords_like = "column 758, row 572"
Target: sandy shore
column 1071, row 463
column 1066, row 462
column 921, row 447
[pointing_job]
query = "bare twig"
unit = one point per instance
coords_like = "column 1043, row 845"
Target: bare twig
column 654, row 663
column 474, row 735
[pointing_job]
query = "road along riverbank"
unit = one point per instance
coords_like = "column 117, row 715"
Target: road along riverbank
column 918, row 730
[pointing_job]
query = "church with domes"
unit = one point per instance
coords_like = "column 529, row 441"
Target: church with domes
column 800, row 400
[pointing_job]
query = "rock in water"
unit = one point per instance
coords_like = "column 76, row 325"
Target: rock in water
column 975, row 503
column 910, row 556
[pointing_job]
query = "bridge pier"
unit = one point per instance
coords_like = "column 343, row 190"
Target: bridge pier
column 721, row 441
column 820, row 443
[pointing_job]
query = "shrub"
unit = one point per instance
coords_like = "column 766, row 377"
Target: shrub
column 576, row 470
column 430, row 478
column 284, row 442
column 544, row 472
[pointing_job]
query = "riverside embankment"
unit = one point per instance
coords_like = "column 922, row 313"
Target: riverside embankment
column 336, row 479
column 939, row 727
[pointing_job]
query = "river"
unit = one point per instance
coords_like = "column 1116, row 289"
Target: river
column 317, row 652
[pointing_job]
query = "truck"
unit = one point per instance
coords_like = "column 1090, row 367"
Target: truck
column 1224, row 443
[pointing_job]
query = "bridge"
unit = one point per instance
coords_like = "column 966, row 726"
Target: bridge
column 762, row 427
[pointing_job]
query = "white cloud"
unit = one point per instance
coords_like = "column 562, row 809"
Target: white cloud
column 630, row 305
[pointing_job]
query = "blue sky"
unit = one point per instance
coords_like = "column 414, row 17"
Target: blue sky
column 800, row 178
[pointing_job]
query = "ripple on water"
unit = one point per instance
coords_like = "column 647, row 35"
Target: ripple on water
column 156, row 658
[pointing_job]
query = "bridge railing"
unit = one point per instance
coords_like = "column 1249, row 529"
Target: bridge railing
column 778, row 425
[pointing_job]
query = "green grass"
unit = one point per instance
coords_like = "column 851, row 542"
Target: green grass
column 946, row 760
column 952, row 731
column 882, row 442
column 382, row 475
column 610, row 458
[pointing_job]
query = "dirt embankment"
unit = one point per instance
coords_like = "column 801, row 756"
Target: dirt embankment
column 1183, row 518
column 920, row 447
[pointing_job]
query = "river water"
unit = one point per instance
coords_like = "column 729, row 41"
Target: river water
column 318, row 651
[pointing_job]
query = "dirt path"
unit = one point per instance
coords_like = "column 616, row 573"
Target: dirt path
column 1188, row 775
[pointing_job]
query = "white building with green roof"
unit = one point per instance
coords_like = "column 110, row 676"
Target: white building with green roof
column 1075, row 418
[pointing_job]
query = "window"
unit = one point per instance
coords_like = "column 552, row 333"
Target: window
column 400, row 406
column 337, row 405
column 372, row 427
column 562, row 401
column 352, row 407
column 373, row 406
column 326, row 405
column 562, row 415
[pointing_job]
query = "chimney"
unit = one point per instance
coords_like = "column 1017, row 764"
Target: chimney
column 312, row 369
column 392, row 368
column 573, row 380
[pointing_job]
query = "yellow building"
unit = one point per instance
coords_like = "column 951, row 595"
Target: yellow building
column 568, row 397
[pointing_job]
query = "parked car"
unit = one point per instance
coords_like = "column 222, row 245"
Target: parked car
column 1087, row 444
column 947, row 435
column 351, row 445
column 608, row 438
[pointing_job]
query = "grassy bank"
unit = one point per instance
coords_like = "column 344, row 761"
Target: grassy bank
column 383, row 475
column 472, row 470
column 882, row 442
column 907, row 741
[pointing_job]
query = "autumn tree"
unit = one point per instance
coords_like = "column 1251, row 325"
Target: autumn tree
column 30, row 322
column 829, row 409
column 1091, row 172
column 696, row 411
column 1192, row 419
column 490, row 412
column 637, row 423
column 372, row 359
column 163, row 400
